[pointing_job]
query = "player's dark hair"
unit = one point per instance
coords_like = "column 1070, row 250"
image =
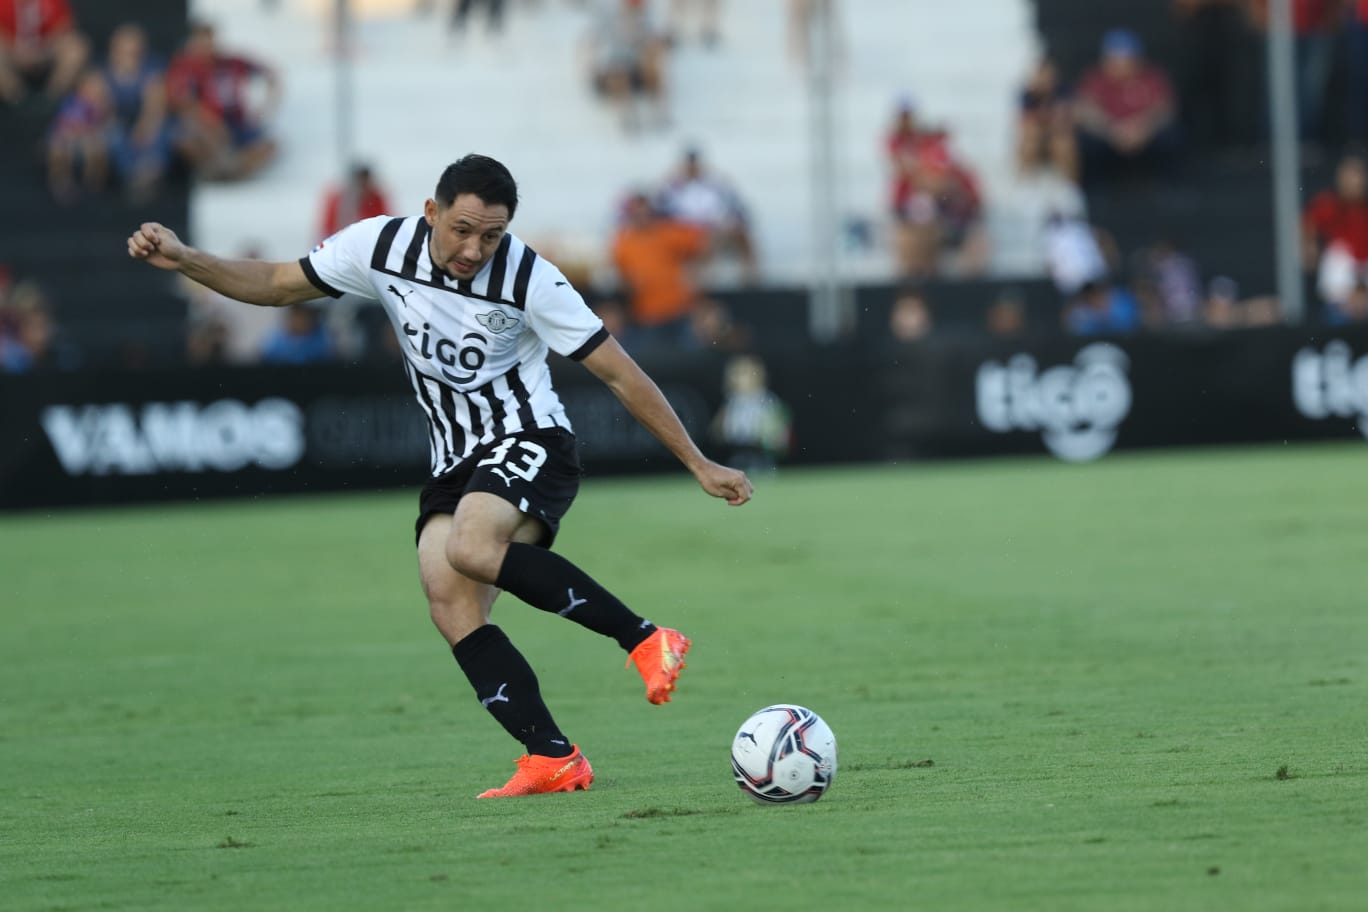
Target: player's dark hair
column 481, row 175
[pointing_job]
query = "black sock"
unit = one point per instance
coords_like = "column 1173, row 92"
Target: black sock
column 548, row 581
column 508, row 688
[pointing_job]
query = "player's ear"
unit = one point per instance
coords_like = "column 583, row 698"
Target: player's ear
column 430, row 211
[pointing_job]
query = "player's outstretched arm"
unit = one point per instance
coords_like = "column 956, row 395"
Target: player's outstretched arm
column 648, row 405
column 252, row 281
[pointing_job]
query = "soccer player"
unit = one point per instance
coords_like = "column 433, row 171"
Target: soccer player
column 475, row 310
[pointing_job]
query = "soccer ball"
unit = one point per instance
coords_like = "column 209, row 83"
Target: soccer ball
column 784, row 754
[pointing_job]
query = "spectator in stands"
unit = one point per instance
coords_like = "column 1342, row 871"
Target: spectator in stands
column 79, row 140
column 700, row 197
column 935, row 203
column 206, row 343
column 220, row 133
column 1354, row 308
column 653, row 255
column 1358, row 72
column 712, row 328
column 908, row 136
column 29, row 338
column 1335, row 232
column 628, row 60
column 1314, row 26
column 1077, row 252
column 1221, row 308
column 706, row 15
column 1102, row 309
column 141, row 146
column 494, row 14
column 39, row 44
column 1045, row 127
column 1125, row 110
column 1216, row 49
column 300, row 339
column 753, row 423
column 910, row 320
column 1224, row 308
column 1006, row 316
column 1168, row 284
column 359, row 197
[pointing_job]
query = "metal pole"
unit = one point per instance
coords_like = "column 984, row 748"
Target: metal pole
column 1282, row 95
column 345, row 99
column 824, row 312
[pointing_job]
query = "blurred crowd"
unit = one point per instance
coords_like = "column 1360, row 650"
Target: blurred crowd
column 1127, row 124
column 126, row 116
column 122, row 117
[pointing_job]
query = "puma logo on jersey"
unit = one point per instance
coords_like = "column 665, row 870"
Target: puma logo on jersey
column 574, row 603
column 508, row 482
column 496, row 321
column 497, row 698
column 401, row 295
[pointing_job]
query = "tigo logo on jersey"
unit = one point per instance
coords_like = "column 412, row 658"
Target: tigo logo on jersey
column 468, row 356
column 1077, row 408
column 1331, row 384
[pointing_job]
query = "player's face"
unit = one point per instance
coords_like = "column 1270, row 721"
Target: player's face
column 465, row 234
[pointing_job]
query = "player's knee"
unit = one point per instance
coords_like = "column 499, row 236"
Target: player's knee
column 456, row 618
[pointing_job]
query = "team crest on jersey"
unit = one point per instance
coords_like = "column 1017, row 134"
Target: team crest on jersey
column 496, row 321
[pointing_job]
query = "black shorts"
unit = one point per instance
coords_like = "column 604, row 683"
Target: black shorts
column 536, row 471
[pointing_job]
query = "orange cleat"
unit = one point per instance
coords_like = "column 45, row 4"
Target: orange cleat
column 660, row 659
column 538, row 775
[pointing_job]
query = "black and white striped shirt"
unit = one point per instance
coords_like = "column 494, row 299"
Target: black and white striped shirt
column 474, row 349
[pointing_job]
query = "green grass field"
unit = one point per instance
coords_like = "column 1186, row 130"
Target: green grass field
column 1135, row 685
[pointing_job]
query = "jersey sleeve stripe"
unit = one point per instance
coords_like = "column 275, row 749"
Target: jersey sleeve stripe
column 524, row 276
column 415, row 249
column 315, row 280
column 383, row 243
column 588, row 347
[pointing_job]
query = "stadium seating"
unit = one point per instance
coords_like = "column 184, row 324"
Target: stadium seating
column 423, row 98
column 1219, row 208
column 77, row 253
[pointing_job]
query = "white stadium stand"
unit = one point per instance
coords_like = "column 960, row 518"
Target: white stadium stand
column 424, row 98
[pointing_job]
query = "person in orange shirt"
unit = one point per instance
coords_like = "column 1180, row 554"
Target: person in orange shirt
column 653, row 254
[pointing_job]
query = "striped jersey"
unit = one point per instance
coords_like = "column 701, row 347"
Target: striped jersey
column 474, row 349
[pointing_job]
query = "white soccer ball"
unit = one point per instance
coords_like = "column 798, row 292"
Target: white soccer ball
column 784, row 754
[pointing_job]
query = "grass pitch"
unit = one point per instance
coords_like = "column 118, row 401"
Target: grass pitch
column 1135, row 685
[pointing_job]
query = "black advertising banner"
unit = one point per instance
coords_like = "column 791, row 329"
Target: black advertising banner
column 85, row 438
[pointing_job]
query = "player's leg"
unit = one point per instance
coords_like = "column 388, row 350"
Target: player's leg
column 503, row 681
column 483, row 547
